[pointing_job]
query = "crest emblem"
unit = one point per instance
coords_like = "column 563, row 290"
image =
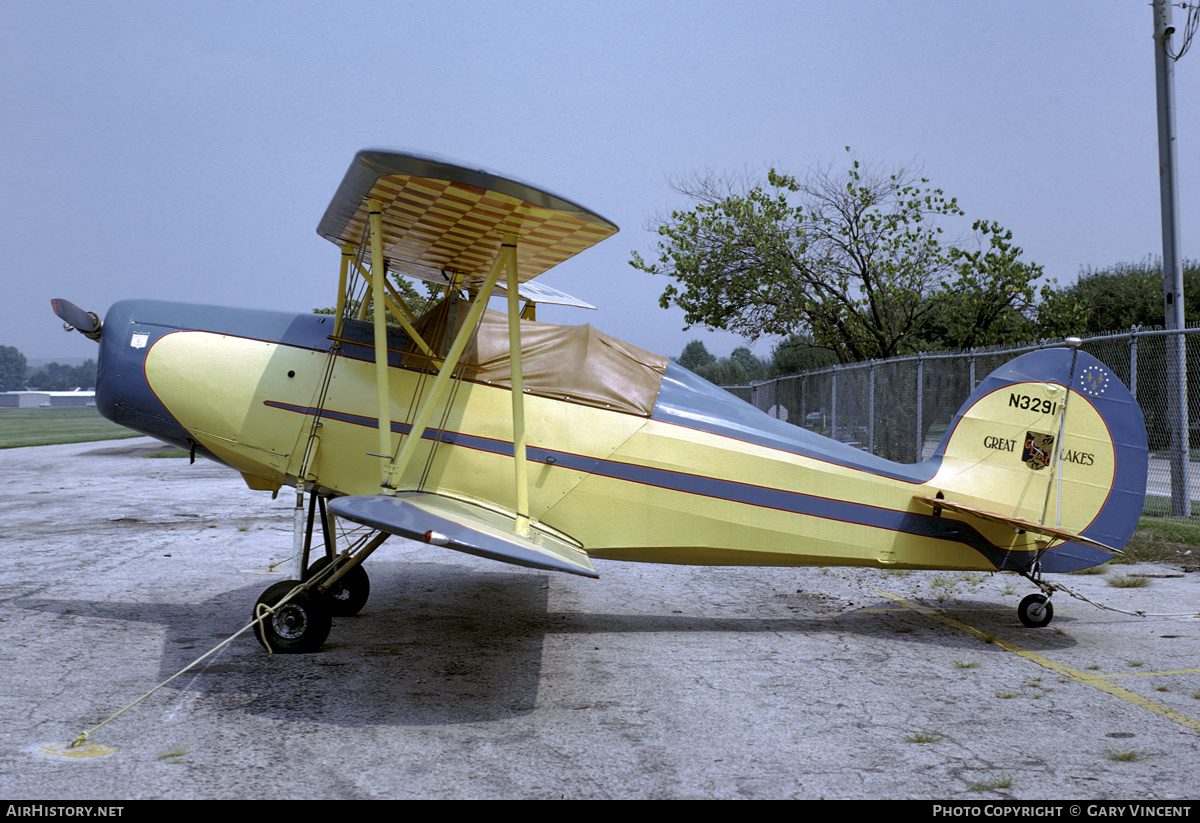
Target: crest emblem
column 1037, row 450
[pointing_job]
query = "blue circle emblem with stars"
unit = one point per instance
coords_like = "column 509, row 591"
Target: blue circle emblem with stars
column 1094, row 380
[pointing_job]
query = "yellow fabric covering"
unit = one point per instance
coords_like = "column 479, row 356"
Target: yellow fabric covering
column 579, row 364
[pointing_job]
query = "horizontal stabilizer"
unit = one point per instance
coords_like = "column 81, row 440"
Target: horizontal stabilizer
column 1015, row 522
column 456, row 524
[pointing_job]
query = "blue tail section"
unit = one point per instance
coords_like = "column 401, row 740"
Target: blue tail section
column 1092, row 435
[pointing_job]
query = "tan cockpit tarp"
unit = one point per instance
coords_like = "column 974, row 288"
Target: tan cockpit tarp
column 579, row 364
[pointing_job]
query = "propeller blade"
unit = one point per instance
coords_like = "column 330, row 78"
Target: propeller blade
column 85, row 322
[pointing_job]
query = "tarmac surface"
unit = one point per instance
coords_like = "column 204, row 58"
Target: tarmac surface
column 466, row 678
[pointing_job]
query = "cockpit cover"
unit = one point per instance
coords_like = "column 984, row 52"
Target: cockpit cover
column 579, row 364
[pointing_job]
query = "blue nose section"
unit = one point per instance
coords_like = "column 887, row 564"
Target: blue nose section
column 122, row 393
column 131, row 329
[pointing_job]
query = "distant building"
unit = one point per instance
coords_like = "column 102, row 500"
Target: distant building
column 44, row 399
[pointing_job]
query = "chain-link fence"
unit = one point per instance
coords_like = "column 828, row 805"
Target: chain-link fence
column 900, row 408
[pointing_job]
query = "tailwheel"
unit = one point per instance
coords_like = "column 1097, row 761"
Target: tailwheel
column 1036, row 611
column 349, row 594
column 298, row 626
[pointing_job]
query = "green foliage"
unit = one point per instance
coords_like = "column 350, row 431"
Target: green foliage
column 57, row 377
column 854, row 262
column 416, row 303
column 739, row 369
column 12, row 369
column 696, row 356
column 992, row 298
column 1125, row 295
column 795, row 354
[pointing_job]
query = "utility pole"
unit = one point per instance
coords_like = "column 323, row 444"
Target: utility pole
column 1172, row 257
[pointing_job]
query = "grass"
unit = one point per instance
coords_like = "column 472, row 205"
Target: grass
column 1162, row 540
column 1157, row 505
column 45, row 427
column 1122, row 756
column 1127, row 581
column 174, row 756
column 924, row 737
column 1002, row 782
column 170, row 453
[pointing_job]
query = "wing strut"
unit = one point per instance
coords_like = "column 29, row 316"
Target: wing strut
column 379, row 298
column 399, row 309
column 506, row 259
column 509, row 253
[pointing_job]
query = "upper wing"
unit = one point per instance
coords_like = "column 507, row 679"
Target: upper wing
column 455, row 524
column 440, row 217
column 1016, row 523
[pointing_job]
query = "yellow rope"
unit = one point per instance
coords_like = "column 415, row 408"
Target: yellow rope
column 261, row 612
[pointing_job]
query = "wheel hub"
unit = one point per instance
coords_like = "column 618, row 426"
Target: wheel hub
column 290, row 622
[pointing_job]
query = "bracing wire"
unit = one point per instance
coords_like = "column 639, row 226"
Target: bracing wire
column 1189, row 30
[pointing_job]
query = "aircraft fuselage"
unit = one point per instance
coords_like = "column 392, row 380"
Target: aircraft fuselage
column 704, row 479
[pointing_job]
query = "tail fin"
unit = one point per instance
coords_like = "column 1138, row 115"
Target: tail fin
column 1054, row 438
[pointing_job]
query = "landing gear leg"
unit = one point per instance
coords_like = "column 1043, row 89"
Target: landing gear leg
column 295, row 616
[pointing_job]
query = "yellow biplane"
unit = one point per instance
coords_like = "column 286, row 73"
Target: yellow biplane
column 551, row 446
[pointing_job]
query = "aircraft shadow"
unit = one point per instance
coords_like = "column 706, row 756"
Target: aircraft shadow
column 443, row 644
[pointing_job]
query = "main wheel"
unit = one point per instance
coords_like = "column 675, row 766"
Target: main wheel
column 298, row 626
column 1036, row 611
column 349, row 594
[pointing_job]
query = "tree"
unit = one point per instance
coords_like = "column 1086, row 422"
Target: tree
column 746, row 366
column 992, row 299
column 741, row 367
column 1124, row 295
column 12, row 369
column 695, row 356
column 416, row 303
column 854, row 261
column 795, row 354
column 59, row 377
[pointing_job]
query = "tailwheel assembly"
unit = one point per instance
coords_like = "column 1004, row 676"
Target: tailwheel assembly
column 1036, row 610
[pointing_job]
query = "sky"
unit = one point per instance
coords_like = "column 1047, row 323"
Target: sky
column 186, row 151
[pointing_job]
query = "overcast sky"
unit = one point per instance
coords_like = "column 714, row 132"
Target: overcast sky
column 186, row 151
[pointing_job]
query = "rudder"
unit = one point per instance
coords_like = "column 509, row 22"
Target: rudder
column 1052, row 437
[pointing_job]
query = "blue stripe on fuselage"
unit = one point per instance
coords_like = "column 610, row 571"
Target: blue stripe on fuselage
column 713, row 487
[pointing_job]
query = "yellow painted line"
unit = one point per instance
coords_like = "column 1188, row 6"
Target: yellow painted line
column 1154, row 674
column 1096, row 681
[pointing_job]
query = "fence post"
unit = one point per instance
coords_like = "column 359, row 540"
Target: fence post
column 920, row 403
column 1133, row 333
column 871, row 407
column 833, row 402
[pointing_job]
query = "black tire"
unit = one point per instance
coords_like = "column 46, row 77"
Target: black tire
column 348, row 595
column 1036, row 611
column 298, row 626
